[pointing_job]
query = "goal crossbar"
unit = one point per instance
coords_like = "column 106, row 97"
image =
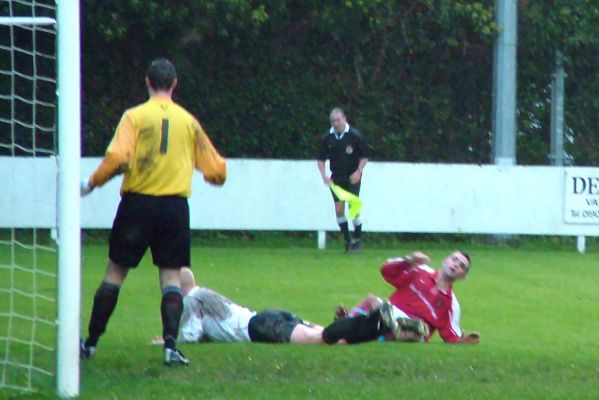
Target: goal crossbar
column 29, row 21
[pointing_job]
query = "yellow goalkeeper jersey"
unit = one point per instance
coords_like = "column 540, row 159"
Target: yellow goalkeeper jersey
column 157, row 144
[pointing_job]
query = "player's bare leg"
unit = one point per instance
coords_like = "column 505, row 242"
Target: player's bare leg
column 171, row 309
column 307, row 334
column 105, row 301
column 115, row 273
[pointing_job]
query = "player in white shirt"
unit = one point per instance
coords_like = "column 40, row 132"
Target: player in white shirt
column 209, row 316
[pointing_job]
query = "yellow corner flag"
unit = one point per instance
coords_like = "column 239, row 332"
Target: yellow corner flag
column 355, row 204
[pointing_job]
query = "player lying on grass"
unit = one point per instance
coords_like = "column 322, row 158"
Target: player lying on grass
column 426, row 294
column 210, row 317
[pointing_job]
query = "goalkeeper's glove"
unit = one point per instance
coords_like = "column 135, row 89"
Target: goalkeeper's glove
column 86, row 187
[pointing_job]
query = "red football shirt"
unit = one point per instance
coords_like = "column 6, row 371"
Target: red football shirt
column 417, row 295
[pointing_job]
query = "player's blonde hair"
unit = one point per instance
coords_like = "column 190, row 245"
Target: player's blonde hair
column 188, row 280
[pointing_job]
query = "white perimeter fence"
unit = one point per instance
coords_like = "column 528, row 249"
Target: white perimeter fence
column 290, row 196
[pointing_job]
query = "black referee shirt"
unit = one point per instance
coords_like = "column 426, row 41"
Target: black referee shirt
column 344, row 153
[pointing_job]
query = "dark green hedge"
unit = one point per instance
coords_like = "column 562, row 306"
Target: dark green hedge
column 414, row 76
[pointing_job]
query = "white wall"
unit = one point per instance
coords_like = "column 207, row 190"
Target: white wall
column 289, row 195
column 28, row 192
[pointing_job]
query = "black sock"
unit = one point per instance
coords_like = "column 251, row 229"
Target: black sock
column 362, row 328
column 104, row 303
column 171, row 309
column 345, row 230
column 358, row 231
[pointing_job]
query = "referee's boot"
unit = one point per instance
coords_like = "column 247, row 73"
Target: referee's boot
column 174, row 357
column 348, row 244
column 355, row 247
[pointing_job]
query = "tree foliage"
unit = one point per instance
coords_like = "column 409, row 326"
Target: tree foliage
column 415, row 77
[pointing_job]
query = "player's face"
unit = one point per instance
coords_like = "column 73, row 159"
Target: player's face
column 338, row 121
column 455, row 266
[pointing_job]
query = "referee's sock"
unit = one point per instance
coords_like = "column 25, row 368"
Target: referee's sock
column 357, row 222
column 342, row 221
column 171, row 309
column 104, row 303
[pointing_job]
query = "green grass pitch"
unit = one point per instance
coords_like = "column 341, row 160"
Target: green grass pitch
column 537, row 310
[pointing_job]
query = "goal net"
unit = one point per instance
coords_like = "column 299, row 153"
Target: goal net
column 30, row 182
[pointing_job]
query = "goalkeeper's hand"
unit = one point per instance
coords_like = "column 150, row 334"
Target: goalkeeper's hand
column 214, row 180
column 86, row 187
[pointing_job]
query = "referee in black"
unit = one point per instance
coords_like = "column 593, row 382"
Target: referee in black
column 345, row 148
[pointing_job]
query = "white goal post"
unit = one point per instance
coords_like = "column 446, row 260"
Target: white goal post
column 68, row 213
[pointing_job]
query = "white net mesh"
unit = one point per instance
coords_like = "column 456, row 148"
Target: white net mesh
column 27, row 254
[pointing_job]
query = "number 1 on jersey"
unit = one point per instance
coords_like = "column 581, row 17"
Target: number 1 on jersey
column 164, row 136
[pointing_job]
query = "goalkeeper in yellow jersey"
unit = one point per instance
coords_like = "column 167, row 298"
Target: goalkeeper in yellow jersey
column 156, row 145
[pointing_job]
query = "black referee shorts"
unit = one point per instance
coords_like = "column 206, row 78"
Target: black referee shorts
column 273, row 326
column 347, row 185
column 158, row 222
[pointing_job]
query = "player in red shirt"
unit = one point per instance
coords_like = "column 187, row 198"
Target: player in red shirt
column 424, row 293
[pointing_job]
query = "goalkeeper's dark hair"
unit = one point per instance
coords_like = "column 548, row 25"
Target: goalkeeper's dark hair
column 161, row 74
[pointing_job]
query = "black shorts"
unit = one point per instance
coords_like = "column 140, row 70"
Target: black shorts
column 347, row 185
column 273, row 326
column 158, row 222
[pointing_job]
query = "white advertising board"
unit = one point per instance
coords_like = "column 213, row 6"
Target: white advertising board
column 581, row 196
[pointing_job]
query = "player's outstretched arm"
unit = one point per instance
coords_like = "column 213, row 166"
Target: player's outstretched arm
column 399, row 271
column 117, row 158
column 208, row 160
column 418, row 258
column 469, row 338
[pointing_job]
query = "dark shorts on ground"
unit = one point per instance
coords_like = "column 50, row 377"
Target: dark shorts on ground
column 158, row 222
column 272, row 326
column 347, row 185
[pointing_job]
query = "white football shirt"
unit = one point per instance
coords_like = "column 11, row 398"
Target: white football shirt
column 209, row 316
